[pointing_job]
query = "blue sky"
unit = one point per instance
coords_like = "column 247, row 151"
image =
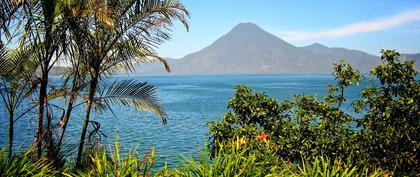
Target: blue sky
column 366, row 25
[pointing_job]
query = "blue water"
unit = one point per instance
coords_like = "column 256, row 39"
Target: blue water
column 190, row 102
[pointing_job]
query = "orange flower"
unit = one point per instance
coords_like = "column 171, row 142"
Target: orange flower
column 263, row 137
column 241, row 140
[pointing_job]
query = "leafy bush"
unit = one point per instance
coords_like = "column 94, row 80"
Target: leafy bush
column 321, row 166
column 101, row 162
column 230, row 160
column 237, row 160
column 386, row 135
column 22, row 165
column 303, row 128
column 390, row 128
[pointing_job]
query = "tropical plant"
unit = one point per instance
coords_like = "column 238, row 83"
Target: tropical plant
column 40, row 24
column 321, row 166
column 75, row 12
column 22, row 165
column 5, row 13
column 17, row 83
column 137, row 27
column 236, row 159
column 230, row 160
column 97, row 38
column 100, row 162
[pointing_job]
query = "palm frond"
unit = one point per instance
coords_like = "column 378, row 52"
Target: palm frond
column 127, row 55
column 8, row 9
column 140, row 26
column 23, row 65
column 17, row 67
column 140, row 95
column 16, row 77
column 102, row 12
column 4, row 62
column 57, row 93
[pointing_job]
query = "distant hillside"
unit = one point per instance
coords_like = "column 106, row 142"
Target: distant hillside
column 415, row 57
column 58, row 70
column 248, row 49
column 360, row 60
column 154, row 68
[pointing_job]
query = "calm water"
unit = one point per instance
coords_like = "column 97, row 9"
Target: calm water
column 190, row 102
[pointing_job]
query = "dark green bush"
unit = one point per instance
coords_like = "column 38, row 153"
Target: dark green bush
column 386, row 135
column 390, row 133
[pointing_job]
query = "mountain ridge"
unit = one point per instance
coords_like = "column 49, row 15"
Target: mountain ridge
column 248, row 49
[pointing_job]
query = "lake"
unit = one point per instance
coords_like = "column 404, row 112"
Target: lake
column 190, row 102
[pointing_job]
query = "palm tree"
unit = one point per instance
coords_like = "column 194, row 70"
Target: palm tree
column 98, row 37
column 77, row 13
column 17, row 83
column 139, row 26
column 43, row 24
column 39, row 24
column 78, row 83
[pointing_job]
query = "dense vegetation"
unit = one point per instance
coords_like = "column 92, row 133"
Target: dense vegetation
column 385, row 132
column 302, row 137
column 96, row 39
column 259, row 136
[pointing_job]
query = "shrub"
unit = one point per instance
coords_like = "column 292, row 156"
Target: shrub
column 230, row 160
column 322, row 166
column 22, row 165
column 390, row 127
column 237, row 160
column 387, row 133
column 112, row 163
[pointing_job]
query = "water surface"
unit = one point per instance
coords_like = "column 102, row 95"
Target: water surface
column 190, row 102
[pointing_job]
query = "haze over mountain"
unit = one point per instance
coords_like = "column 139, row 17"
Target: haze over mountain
column 248, row 49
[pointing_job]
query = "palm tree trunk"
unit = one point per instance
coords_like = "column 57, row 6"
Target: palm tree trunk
column 41, row 106
column 92, row 90
column 11, row 126
column 48, row 14
column 66, row 118
column 48, row 133
column 70, row 105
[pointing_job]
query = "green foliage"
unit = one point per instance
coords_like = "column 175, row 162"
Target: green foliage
column 321, row 166
column 97, row 38
column 22, row 165
column 250, row 115
column 345, row 76
column 303, row 127
column 101, row 162
column 386, row 134
column 228, row 161
column 17, row 83
column 390, row 134
column 139, row 95
column 237, row 160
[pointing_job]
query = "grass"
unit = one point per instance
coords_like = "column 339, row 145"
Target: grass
column 234, row 161
column 238, row 161
column 231, row 160
column 23, row 165
column 103, row 162
column 321, row 166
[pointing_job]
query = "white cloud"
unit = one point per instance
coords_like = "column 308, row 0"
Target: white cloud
column 355, row 28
